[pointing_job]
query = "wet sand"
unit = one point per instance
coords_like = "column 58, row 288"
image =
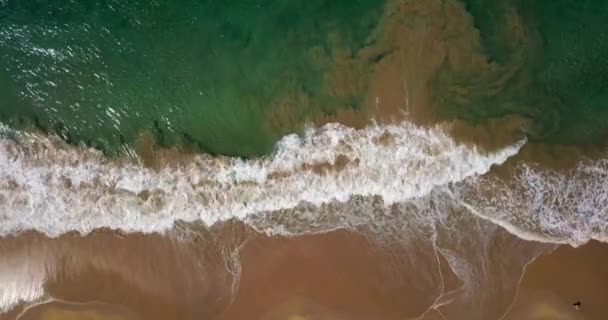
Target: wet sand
column 555, row 281
column 338, row 275
column 55, row 310
column 333, row 275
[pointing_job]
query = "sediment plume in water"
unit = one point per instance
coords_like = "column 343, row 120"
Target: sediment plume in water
column 442, row 209
column 487, row 154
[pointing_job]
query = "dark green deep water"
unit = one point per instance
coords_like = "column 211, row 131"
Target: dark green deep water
column 557, row 75
column 207, row 74
column 195, row 73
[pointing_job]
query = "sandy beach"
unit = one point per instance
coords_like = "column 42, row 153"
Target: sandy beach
column 337, row 275
column 553, row 283
column 322, row 160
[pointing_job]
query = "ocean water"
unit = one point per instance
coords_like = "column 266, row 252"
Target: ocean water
column 201, row 74
column 544, row 62
column 248, row 107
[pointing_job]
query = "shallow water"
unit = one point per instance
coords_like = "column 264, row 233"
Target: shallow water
column 201, row 74
column 234, row 78
column 122, row 196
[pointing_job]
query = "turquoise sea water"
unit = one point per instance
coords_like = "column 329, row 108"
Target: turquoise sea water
column 450, row 223
column 204, row 74
column 232, row 78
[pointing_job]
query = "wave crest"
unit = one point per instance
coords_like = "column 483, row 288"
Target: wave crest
column 54, row 188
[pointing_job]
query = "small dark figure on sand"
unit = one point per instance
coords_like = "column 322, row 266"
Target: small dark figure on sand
column 577, row 305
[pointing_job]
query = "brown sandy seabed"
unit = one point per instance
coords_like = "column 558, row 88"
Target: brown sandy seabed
column 338, row 275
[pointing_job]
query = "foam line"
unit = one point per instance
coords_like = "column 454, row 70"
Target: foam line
column 53, row 188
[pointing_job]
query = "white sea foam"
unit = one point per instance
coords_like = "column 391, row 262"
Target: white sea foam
column 53, row 188
column 48, row 186
column 410, row 230
column 403, row 183
column 546, row 205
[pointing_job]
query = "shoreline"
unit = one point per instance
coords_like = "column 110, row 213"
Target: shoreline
column 444, row 162
column 337, row 275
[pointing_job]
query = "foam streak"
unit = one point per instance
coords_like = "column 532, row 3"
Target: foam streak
column 53, row 188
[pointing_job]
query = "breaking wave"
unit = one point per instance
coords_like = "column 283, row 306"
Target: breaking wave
column 398, row 184
column 54, row 188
